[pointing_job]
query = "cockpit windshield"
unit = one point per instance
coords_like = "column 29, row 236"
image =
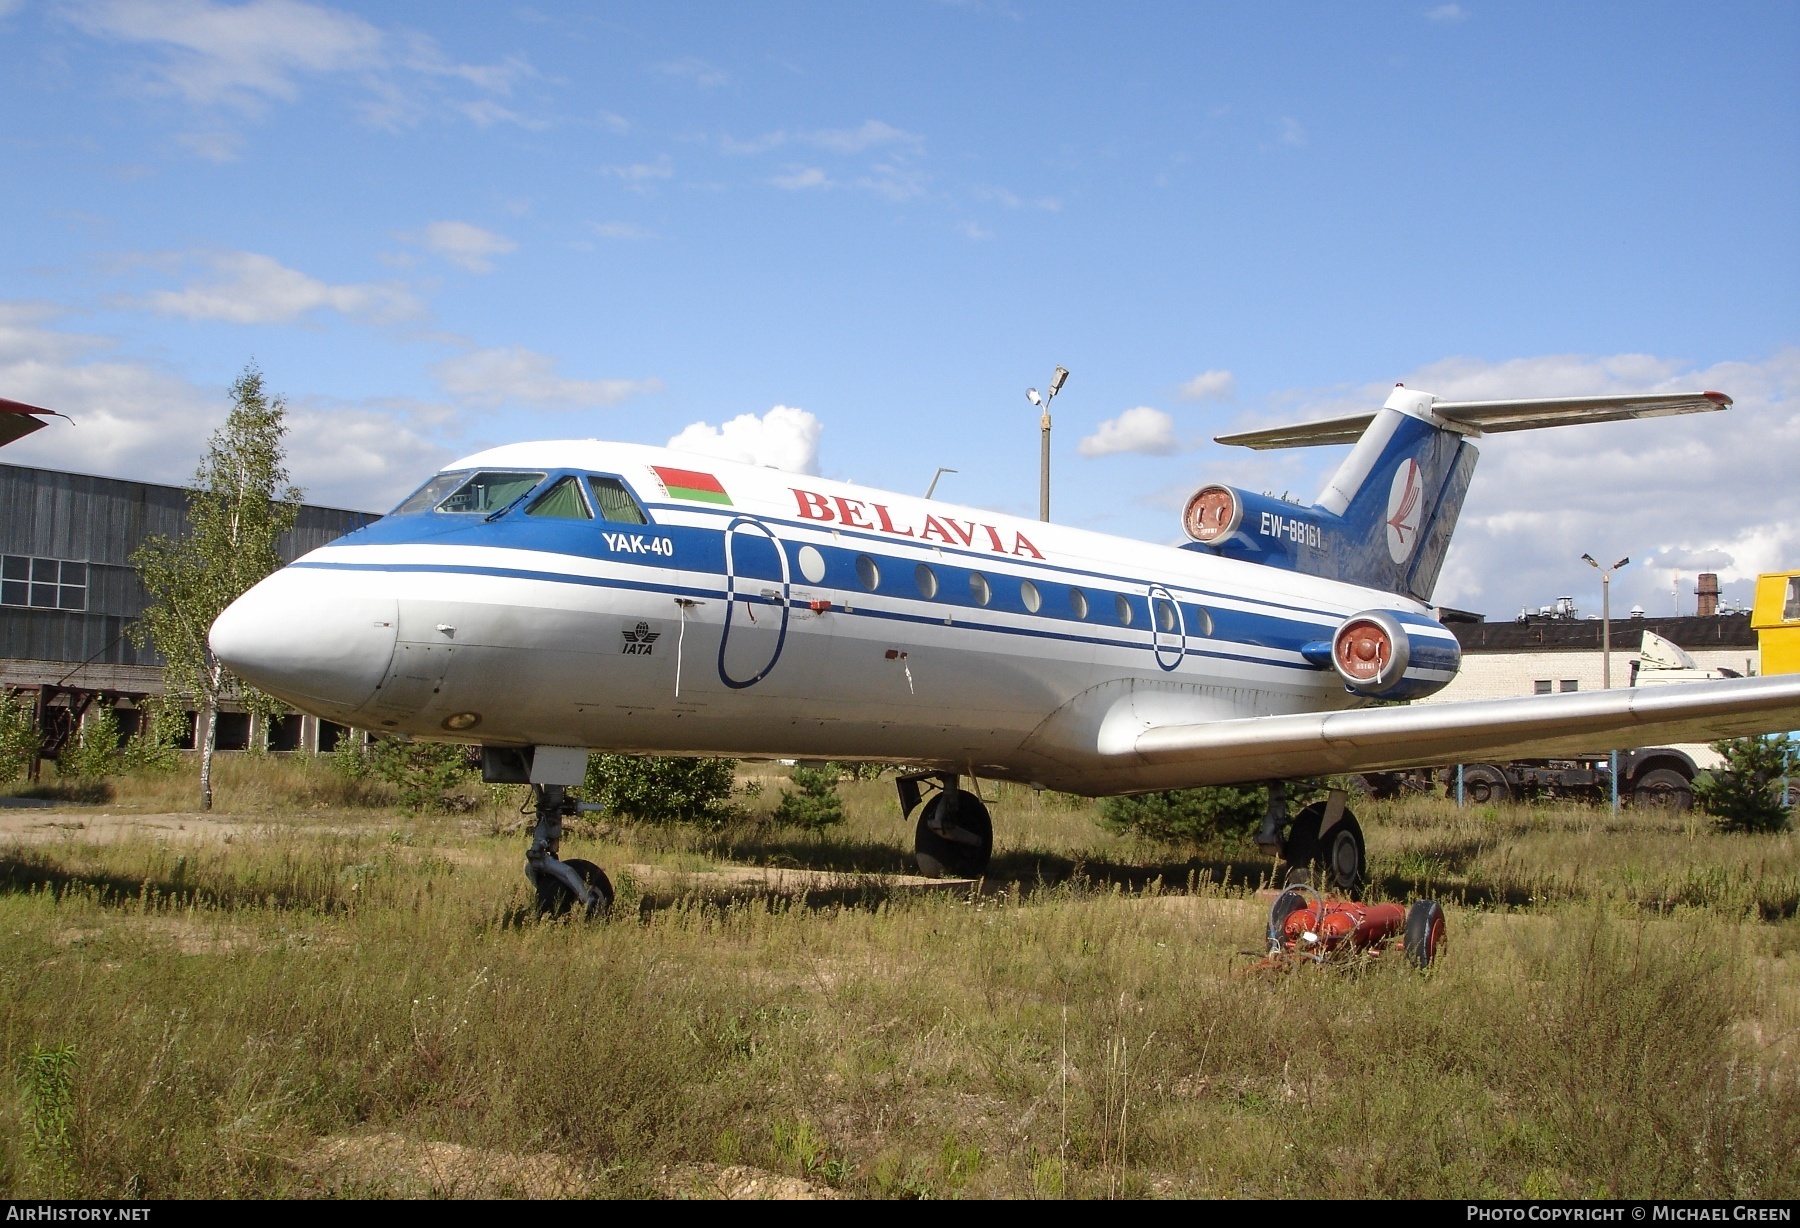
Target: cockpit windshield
column 490, row 492
column 426, row 497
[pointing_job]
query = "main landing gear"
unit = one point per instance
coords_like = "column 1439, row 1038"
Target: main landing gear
column 1322, row 847
column 955, row 836
column 562, row 886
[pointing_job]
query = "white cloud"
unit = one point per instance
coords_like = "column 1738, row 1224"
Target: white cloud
column 800, row 178
column 1209, row 386
column 215, row 145
column 871, row 134
column 514, row 374
column 1446, row 13
column 1147, row 431
column 244, row 56
column 784, row 438
column 974, row 230
column 249, row 288
column 466, row 245
column 1291, row 132
column 620, row 230
column 693, row 70
column 137, row 420
column 640, row 175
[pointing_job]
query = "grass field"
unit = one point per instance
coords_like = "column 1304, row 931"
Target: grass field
column 306, row 993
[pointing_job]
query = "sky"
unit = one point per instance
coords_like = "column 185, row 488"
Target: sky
column 844, row 239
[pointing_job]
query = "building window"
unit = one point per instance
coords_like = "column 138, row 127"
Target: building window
column 43, row 584
column 1793, row 601
column 1570, row 684
column 1541, row 686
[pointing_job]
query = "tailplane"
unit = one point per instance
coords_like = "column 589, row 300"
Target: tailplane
column 1385, row 518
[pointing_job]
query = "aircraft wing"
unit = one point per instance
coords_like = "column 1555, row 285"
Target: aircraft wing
column 1481, row 417
column 1420, row 735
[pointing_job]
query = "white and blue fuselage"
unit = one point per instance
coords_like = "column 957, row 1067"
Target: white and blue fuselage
column 756, row 612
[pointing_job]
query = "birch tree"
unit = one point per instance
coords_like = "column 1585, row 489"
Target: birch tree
column 238, row 507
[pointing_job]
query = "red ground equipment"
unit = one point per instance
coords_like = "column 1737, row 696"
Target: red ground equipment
column 1307, row 926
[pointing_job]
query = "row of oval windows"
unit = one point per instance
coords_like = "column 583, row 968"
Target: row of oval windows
column 868, row 573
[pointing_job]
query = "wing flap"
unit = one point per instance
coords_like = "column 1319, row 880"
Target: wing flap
column 1533, row 726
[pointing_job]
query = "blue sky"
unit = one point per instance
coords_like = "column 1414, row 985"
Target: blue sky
column 440, row 227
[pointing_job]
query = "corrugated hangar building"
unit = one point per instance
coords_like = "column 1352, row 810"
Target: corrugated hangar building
column 68, row 592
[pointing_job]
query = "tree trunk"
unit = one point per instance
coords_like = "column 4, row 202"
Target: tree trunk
column 209, row 717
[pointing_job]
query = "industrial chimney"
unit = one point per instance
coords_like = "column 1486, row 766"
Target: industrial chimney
column 1708, row 594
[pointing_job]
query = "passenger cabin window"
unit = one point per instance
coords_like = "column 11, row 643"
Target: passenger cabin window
column 926, row 579
column 1792, row 610
column 615, row 502
column 979, row 591
column 1165, row 613
column 867, row 574
column 1122, row 608
column 490, row 492
column 426, row 497
column 1028, row 593
column 1078, row 603
column 562, row 501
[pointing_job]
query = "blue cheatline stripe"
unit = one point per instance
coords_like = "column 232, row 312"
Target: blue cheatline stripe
column 889, row 539
column 676, row 590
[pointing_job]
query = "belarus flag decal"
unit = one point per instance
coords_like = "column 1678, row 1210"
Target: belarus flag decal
column 687, row 484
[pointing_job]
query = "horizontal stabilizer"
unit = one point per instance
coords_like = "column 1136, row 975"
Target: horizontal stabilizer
column 1422, row 735
column 1481, row 417
column 18, row 420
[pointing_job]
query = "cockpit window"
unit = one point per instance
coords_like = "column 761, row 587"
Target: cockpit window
column 615, row 502
column 424, row 498
column 562, row 501
column 489, row 492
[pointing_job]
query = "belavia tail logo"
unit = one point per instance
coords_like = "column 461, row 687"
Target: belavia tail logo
column 1406, row 504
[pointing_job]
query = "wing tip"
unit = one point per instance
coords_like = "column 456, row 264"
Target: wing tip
column 1717, row 398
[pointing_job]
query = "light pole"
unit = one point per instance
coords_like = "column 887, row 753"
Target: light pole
column 1043, row 403
column 1606, row 651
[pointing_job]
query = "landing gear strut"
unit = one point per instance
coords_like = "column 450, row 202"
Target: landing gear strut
column 562, row 885
column 955, row 835
column 1323, row 847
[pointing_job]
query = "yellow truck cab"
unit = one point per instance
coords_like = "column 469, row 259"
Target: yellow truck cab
column 1775, row 615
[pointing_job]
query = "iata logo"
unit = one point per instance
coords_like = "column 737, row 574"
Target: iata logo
column 1406, row 503
column 640, row 641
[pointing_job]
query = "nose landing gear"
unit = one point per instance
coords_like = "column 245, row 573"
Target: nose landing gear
column 562, row 885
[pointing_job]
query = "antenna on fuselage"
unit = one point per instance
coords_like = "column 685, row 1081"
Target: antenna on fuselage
column 942, row 470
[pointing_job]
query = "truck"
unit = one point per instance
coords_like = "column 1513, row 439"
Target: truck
column 1660, row 777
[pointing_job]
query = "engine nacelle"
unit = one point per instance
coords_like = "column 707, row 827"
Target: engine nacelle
column 1388, row 654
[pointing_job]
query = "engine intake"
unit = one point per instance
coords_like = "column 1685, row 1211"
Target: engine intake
column 1387, row 654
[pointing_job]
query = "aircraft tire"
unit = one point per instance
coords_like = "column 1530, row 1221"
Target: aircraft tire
column 555, row 899
column 958, row 844
column 1339, row 862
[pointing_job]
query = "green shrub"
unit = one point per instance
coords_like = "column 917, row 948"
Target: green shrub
column 152, row 749
column 1228, row 811
column 1745, row 794
column 18, row 735
column 95, row 753
column 424, row 773
column 651, row 789
column 817, row 805
column 350, row 757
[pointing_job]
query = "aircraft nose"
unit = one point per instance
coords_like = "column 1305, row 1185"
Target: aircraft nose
column 308, row 637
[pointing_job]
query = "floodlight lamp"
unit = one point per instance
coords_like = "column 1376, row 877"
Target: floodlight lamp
column 1031, row 394
column 1057, row 380
column 1619, row 564
column 1589, row 560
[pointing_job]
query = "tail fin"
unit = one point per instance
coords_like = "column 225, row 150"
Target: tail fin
column 1386, row 516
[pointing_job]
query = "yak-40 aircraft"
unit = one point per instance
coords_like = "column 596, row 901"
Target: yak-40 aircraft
column 543, row 600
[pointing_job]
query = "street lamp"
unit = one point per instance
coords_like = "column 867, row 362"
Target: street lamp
column 1606, row 649
column 1043, row 403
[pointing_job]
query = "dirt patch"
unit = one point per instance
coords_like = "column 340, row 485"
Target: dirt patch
column 786, row 881
column 38, row 827
column 400, row 1167
column 740, row 1183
